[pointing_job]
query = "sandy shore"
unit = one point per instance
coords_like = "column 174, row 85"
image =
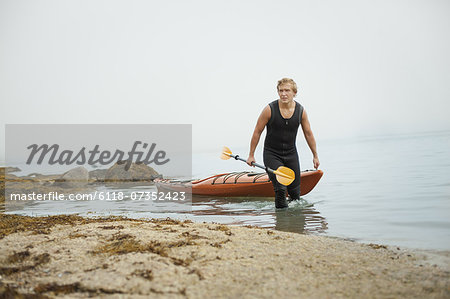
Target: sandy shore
column 69, row 256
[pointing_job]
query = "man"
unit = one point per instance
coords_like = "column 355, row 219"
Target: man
column 282, row 118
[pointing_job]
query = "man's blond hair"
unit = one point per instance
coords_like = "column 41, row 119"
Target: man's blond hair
column 287, row 81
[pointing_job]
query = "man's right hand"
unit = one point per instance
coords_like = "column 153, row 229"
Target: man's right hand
column 251, row 160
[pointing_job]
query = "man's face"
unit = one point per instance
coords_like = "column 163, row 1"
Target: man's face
column 286, row 93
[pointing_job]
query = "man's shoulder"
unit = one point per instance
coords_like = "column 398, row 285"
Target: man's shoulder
column 273, row 103
column 299, row 105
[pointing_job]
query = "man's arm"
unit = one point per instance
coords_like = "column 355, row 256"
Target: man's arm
column 309, row 136
column 263, row 119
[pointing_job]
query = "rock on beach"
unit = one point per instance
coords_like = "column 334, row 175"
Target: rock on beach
column 76, row 177
column 136, row 172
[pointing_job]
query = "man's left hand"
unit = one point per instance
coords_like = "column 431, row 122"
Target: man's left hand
column 316, row 163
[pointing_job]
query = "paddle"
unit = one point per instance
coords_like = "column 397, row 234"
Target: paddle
column 285, row 176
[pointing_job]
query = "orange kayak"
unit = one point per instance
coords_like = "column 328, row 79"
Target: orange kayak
column 237, row 184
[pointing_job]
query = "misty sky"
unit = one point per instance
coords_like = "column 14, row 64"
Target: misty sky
column 362, row 67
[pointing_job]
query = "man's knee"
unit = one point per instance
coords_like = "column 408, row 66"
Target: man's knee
column 277, row 187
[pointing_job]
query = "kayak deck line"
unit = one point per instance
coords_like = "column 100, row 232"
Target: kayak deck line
column 238, row 175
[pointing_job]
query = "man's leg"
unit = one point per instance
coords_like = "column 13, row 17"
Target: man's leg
column 271, row 160
column 293, row 163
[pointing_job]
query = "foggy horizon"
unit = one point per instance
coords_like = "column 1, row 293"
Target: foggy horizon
column 363, row 68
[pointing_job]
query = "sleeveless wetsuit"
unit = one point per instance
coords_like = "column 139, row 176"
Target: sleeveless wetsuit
column 280, row 149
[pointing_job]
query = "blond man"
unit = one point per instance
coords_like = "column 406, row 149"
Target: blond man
column 282, row 119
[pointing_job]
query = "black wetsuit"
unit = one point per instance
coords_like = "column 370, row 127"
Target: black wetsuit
column 280, row 150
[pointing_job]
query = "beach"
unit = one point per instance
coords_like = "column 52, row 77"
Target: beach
column 76, row 257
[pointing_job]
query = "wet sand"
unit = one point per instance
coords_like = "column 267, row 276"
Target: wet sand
column 74, row 257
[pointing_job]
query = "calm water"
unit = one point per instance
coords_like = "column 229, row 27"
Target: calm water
column 390, row 190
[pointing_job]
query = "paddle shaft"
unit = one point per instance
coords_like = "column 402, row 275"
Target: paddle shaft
column 254, row 163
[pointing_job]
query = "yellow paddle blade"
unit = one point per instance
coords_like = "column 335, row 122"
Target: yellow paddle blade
column 285, row 176
column 226, row 153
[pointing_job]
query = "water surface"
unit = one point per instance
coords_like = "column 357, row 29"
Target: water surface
column 391, row 190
